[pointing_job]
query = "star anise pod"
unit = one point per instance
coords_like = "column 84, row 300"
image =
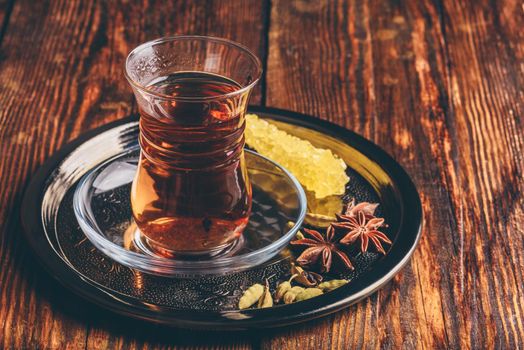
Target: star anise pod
column 353, row 209
column 365, row 228
column 320, row 250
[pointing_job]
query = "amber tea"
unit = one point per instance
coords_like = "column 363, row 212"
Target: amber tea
column 191, row 192
column 191, row 195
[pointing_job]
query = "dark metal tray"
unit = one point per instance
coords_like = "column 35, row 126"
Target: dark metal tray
column 210, row 302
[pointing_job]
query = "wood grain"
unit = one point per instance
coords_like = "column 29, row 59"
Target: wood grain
column 5, row 11
column 438, row 85
column 60, row 75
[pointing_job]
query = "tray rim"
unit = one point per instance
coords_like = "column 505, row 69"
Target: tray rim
column 326, row 304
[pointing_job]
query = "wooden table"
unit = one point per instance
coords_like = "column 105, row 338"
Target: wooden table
column 438, row 84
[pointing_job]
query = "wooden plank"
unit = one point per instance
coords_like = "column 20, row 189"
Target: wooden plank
column 60, row 75
column 440, row 87
column 486, row 76
column 5, row 11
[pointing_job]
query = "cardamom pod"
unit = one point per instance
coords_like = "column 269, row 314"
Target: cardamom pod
column 281, row 290
column 298, row 235
column 305, row 278
column 251, row 296
column 291, row 294
column 308, row 293
column 328, row 286
column 265, row 300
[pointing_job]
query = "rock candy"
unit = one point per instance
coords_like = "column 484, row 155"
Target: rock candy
column 317, row 169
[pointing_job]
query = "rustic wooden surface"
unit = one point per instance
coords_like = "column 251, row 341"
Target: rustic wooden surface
column 439, row 84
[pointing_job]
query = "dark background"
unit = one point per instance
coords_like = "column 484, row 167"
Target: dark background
column 437, row 83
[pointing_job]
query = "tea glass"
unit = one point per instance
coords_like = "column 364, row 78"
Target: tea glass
column 191, row 195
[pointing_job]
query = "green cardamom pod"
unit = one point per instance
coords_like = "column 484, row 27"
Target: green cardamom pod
column 265, row 300
column 298, row 235
column 308, row 293
column 291, row 294
column 328, row 286
column 281, row 290
column 250, row 296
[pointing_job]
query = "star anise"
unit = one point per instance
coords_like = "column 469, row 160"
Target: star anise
column 320, row 250
column 364, row 227
column 353, row 209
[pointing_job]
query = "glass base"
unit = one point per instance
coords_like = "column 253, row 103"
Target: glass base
column 145, row 245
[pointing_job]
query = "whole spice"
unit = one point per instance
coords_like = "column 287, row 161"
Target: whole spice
column 364, row 228
column 320, row 250
column 308, row 293
column 281, row 290
column 265, row 300
column 353, row 209
column 305, row 278
column 251, row 296
column 328, row 286
column 291, row 294
column 299, row 235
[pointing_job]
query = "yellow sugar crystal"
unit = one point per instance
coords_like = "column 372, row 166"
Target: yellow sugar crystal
column 318, row 170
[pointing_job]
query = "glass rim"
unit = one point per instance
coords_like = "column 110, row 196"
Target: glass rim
column 166, row 39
